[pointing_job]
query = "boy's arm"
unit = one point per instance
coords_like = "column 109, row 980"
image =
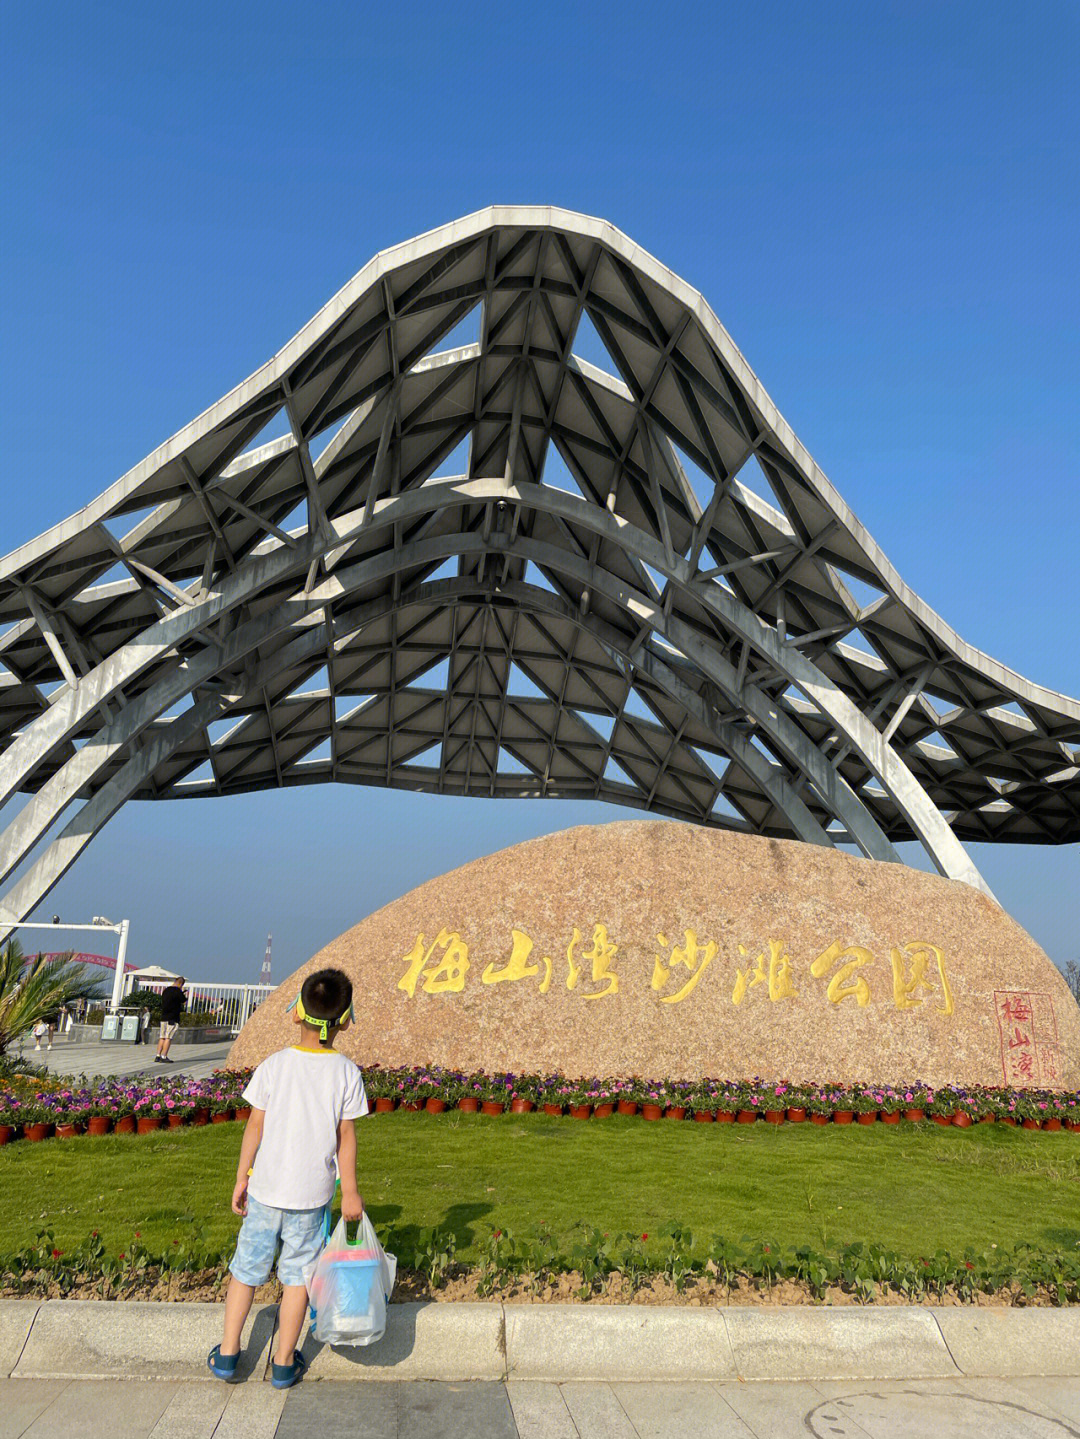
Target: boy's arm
column 253, row 1131
column 352, row 1205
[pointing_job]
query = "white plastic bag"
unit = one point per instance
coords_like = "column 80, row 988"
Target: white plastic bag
column 351, row 1286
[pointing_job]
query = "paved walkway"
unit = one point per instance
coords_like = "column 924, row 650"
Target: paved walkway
column 325, row 1409
column 92, row 1057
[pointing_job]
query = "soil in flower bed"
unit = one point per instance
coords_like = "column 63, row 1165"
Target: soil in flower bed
column 463, row 1285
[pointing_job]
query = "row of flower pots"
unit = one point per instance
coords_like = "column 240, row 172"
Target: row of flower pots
column 472, row 1105
column 124, row 1124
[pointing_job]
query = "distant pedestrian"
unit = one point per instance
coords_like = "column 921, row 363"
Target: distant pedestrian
column 173, row 1000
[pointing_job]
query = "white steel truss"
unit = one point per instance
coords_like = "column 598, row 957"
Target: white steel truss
column 473, row 562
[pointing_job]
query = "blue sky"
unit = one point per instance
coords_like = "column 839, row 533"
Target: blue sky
column 880, row 203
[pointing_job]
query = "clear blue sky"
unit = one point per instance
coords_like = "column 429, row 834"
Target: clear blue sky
column 880, row 203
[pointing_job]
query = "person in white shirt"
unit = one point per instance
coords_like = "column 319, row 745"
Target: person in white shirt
column 299, row 1139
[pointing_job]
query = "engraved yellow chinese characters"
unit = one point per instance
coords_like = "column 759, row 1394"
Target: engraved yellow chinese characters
column 778, row 976
column 846, row 983
column 446, row 975
column 907, row 986
column 518, row 966
column 601, row 955
column 696, row 958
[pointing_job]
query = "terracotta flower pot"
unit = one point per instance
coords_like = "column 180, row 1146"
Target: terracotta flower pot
column 1030, row 1124
column 703, row 1116
column 725, row 1116
column 243, row 1113
column 914, row 1116
column 652, row 1111
column 943, row 1119
column 492, row 1106
column 774, row 1116
column 177, row 1121
column 819, row 1119
column 386, row 1105
column 605, row 1110
column 870, row 1117
column 149, row 1122
column 98, row 1124
column 224, row 1116
column 553, row 1109
column 68, row 1131
column 796, row 1116
column 962, row 1121
column 843, row 1116
column 1009, row 1120
column 412, row 1106
column 7, row 1133
column 987, row 1118
column 675, row 1111
column 197, row 1117
column 890, row 1116
column 37, row 1132
column 580, row 1111
column 125, row 1124
column 435, row 1105
column 1052, row 1124
column 628, row 1106
column 746, row 1116
column 469, row 1105
column 1073, row 1126
column 521, row 1106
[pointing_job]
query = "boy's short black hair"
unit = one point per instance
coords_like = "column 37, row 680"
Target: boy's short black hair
column 326, row 994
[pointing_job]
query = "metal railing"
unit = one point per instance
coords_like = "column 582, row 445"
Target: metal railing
column 228, row 1006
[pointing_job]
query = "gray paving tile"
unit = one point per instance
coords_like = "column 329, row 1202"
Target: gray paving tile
column 477, row 1410
column 193, row 1412
column 596, row 1412
column 772, row 1410
column 22, row 1400
column 540, row 1411
column 103, row 1409
column 340, row 1409
column 673, row 1411
column 252, row 1411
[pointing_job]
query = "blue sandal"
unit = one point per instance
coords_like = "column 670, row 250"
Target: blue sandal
column 222, row 1366
column 284, row 1376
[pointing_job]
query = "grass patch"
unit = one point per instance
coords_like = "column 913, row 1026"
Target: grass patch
column 914, row 1190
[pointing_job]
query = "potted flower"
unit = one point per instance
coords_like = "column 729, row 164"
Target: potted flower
column 703, row 1101
column 916, row 1097
column 653, row 1100
column 819, row 1106
column 966, row 1111
column 523, row 1093
column 942, row 1105
column 602, row 1098
column 628, row 1096
column 378, row 1086
column 149, row 1111
column 10, row 1118
column 749, row 1100
column 553, row 1093
column 796, row 1098
column 1051, row 1110
column 472, row 1093
column 680, row 1094
column 892, row 1104
column 579, row 1100
column 177, row 1109
column 102, row 1113
column 725, row 1103
column 495, row 1093
column 71, row 1121
column 38, row 1121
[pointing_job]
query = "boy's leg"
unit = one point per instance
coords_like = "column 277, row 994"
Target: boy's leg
column 291, row 1314
column 238, row 1300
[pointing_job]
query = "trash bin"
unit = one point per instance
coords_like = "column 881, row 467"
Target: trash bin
column 129, row 1028
column 110, row 1029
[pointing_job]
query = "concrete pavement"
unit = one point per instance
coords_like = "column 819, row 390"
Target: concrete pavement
column 912, row 1409
column 92, row 1057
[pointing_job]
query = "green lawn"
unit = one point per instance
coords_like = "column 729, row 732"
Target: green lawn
column 914, row 1191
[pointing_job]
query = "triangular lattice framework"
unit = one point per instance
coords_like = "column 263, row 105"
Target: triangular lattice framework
column 468, row 561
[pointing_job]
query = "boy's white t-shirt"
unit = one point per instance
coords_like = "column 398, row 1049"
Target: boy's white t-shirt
column 306, row 1093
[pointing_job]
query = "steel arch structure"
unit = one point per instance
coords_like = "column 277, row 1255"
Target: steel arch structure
column 493, row 567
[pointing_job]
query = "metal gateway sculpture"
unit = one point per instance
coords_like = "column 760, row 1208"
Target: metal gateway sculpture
column 497, row 569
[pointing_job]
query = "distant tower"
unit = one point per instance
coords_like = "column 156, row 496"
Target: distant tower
column 264, row 975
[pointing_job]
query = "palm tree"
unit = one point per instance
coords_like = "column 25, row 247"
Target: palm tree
column 34, row 989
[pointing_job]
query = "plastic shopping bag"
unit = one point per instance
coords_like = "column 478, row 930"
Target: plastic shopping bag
column 350, row 1287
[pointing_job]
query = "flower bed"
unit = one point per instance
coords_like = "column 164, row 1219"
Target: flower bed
column 96, row 1107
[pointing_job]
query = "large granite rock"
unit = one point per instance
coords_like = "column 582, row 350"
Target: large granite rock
column 661, row 949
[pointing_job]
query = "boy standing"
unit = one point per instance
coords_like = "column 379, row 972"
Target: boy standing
column 299, row 1138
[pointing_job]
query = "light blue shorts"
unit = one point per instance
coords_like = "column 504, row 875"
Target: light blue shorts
column 301, row 1233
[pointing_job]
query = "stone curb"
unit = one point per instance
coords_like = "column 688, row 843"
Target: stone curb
column 80, row 1339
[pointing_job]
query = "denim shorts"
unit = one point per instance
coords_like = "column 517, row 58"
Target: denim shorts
column 301, row 1233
